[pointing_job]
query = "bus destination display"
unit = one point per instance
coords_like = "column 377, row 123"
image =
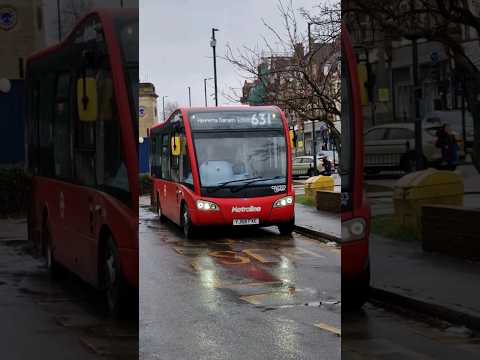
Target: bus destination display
column 235, row 120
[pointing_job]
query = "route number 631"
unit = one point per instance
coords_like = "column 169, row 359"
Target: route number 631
column 261, row 119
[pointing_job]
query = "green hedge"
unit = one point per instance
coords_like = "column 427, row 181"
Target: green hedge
column 14, row 192
column 145, row 184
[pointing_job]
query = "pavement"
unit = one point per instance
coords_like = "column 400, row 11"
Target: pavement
column 323, row 225
column 375, row 333
column 47, row 319
column 440, row 282
column 437, row 284
column 237, row 294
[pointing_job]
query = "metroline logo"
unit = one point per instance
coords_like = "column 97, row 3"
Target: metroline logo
column 244, row 209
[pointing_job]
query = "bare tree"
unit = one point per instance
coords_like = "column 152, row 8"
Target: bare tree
column 304, row 83
column 71, row 11
column 433, row 20
column 170, row 107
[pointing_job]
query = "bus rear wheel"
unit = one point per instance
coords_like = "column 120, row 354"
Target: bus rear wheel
column 114, row 284
column 159, row 209
column 48, row 253
column 186, row 222
column 286, row 228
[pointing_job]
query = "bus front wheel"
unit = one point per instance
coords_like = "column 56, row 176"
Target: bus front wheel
column 286, row 228
column 114, row 284
column 186, row 222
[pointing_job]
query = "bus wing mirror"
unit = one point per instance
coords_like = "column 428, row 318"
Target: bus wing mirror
column 87, row 99
column 176, row 145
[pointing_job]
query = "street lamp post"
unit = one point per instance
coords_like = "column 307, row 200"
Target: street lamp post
column 213, row 44
column 205, row 89
column 417, row 94
column 189, row 97
column 59, row 21
column 163, row 106
column 314, row 136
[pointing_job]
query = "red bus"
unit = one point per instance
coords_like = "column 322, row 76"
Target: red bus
column 355, row 210
column 223, row 166
column 82, row 153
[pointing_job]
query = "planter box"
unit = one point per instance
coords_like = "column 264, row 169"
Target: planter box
column 451, row 230
column 327, row 201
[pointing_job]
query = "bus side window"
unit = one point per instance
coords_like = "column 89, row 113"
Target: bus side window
column 45, row 126
column 85, row 141
column 165, row 157
column 62, row 138
column 156, row 159
column 33, row 117
column 174, row 160
column 111, row 168
column 185, row 168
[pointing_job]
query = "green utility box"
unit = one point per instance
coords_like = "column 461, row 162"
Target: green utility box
column 427, row 187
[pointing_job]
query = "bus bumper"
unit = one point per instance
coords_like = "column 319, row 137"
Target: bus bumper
column 355, row 266
column 129, row 263
column 267, row 216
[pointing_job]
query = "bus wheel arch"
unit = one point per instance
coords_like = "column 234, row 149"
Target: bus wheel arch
column 158, row 207
column 110, row 277
column 46, row 246
column 186, row 220
column 44, row 232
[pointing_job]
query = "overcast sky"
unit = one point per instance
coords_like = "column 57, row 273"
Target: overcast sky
column 175, row 47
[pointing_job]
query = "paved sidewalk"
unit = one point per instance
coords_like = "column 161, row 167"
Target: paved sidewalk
column 13, row 229
column 403, row 268
column 323, row 223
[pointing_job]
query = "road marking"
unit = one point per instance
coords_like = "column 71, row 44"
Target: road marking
column 300, row 252
column 253, row 284
column 329, row 328
column 255, row 254
column 229, row 257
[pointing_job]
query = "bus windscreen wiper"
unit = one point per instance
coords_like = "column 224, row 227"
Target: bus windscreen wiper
column 256, row 180
column 223, row 184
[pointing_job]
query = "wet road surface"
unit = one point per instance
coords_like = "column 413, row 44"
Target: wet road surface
column 62, row 319
column 249, row 294
column 378, row 333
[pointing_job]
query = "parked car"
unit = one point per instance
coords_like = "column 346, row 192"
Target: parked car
column 303, row 166
column 392, row 147
column 453, row 118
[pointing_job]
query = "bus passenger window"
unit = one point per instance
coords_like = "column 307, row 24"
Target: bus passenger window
column 84, row 143
column 61, row 138
column 165, row 157
column 186, row 169
column 111, row 168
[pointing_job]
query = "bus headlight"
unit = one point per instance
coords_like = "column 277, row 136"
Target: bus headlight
column 206, row 205
column 354, row 229
column 285, row 201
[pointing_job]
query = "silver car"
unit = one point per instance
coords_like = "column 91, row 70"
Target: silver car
column 392, row 147
column 303, row 166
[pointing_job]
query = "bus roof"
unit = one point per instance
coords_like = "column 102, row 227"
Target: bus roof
column 103, row 14
column 216, row 109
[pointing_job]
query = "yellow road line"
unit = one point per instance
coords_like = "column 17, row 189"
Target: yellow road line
column 329, row 328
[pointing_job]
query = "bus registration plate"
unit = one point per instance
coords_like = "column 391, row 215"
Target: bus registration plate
column 246, row 221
